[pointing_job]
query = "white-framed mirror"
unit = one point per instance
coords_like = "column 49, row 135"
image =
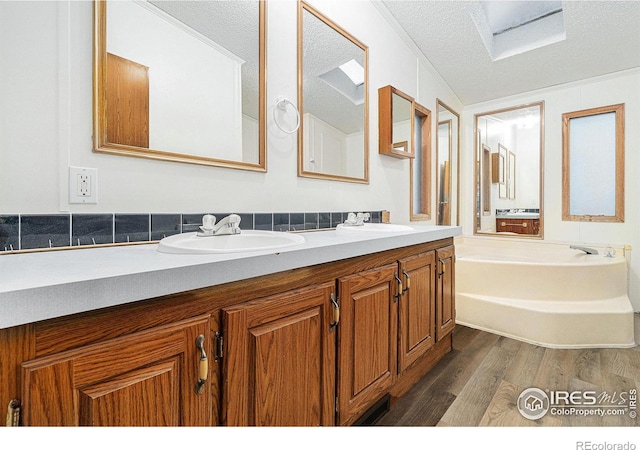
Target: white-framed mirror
column 333, row 139
column 181, row 81
column 509, row 202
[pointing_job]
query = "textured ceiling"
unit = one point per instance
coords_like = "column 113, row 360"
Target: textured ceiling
column 601, row 37
column 325, row 49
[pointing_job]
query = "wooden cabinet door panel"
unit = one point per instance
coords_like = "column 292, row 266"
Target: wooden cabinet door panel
column 416, row 313
column 367, row 339
column 445, row 303
column 146, row 378
column 279, row 364
column 146, row 397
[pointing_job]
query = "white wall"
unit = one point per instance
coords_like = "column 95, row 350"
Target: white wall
column 46, row 122
column 187, row 112
column 623, row 87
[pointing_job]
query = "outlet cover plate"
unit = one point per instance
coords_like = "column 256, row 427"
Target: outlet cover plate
column 83, row 185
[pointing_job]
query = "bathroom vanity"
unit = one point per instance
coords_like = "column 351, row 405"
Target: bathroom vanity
column 318, row 334
column 518, row 222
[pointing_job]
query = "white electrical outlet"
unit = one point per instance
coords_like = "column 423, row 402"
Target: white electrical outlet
column 83, row 185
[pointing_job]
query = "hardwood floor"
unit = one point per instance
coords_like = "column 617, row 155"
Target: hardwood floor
column 478, row 383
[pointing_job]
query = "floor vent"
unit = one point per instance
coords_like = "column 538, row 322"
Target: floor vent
column 379, row 409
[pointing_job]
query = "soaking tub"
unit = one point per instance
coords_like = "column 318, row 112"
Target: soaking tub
column 542, row 293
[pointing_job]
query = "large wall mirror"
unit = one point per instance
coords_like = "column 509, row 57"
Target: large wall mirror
column 447, row 166
column 509, row 177
column 332, row 99
column 181, row 81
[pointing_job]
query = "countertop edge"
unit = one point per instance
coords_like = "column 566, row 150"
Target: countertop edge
column 112, row 286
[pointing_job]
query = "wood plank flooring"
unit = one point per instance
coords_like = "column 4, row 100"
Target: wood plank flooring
column 479, row 381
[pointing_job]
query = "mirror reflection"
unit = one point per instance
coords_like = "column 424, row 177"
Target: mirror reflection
column 332, row 99
column 180, row 81
column 420, row 201
column 447, row 167
column 509, row 202
column 401, row 123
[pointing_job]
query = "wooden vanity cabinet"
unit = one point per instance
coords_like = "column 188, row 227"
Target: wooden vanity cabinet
column 391, row 319
column 445, row 292
column 367, row 339
column 315, row 346
column 142, row 379
column 417, row 308
column 279, row 360
column 519, row 226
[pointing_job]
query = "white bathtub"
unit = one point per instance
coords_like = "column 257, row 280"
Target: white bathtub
column 545, row 294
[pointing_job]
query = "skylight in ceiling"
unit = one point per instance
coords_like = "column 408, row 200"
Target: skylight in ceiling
column 354, row 71
column 348, row 79
column 509, row 28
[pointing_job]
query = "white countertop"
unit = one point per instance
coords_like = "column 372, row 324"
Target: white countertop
column 522, row 215
column 45, row 285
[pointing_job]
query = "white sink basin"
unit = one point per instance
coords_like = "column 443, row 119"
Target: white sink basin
column 246, row 241
column 374, row 227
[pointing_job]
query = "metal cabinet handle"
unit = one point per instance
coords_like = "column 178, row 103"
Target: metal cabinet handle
column 407, row 282
column 203, row 369
column 444, row 267
column 13, row 413
column 336, row 312
column 400, row 291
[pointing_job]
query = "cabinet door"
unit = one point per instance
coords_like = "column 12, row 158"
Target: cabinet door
column 279, row 361
column 445, row 295
column 416, row 308
column 367, row 339
column 144, row 379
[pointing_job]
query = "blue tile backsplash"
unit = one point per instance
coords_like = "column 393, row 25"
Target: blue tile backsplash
column 41, row 231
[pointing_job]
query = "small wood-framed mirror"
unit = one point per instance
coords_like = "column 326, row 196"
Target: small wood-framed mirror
column 333, row 98
column 486, row 180
column 502, row 170
column 395, row 123
column 511, row 176
column 420, row 166
column 181, row 81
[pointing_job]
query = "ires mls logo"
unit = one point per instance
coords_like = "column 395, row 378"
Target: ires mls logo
column 534, row 403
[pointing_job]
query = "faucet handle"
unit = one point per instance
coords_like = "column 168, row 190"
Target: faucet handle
column 208, row 222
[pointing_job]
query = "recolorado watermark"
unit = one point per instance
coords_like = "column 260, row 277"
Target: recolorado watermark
column 534, row 403
column 588, row 445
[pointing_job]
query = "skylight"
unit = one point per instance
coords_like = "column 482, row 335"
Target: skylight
column 509, row 28
column 348, row 79
column 354, row 71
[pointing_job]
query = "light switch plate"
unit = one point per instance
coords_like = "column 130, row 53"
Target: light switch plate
column 83, row 185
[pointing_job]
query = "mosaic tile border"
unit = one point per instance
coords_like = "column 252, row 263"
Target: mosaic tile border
column 24, row 232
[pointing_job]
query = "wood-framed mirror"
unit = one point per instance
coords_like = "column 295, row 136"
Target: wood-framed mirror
column 447, row 165
column 180, row 81
column 333, row 98
column 395, row 123
column 510, row 134
column 420, row 166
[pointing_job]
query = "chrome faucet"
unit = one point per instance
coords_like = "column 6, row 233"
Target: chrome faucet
column 228, row 225
column 356, row 220
column 587, row 250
